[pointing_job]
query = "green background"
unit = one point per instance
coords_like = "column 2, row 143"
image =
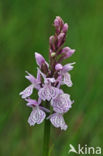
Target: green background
column 25, row 27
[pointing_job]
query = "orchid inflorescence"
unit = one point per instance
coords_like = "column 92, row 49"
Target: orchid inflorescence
column 49, row 79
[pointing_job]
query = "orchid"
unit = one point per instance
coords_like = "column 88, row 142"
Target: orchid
column 62, row 103
column 35, row 83
column 50, row 77
column 37, row 115
column 58, row 121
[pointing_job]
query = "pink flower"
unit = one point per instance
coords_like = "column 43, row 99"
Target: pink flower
column 62, row 103
column 38, row 112
column 36, row 116
column 35, row 83
column 48, row 92
column 58, row 121
column 63, row 72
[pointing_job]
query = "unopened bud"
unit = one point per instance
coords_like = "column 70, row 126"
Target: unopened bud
column 58, row 21
column 61, row 37
column 65, row 28
column 67, row 52
column 58, row 24
column 58, row 67
column 52, row 42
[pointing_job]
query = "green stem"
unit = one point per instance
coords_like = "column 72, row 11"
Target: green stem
column 46, row 135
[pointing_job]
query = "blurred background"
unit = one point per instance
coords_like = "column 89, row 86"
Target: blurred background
column 25, row 27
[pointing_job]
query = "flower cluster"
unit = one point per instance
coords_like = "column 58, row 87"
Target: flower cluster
column 49, row 79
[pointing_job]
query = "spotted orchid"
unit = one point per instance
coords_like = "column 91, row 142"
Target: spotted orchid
column 50, row 78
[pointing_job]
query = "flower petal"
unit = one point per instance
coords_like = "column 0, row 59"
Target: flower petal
column 44, row 93
column 33, row 80
column 39, row 59
column 54, row 92
column 36, row 116
column 38, row 75
column 31, row 102
column 67, row 79
column 58, row 121
column 44, row 109
column 68, row 67
column 48, row 92
column 62, row 103
column 27, row 92
column 39, row 101
column 30, row 77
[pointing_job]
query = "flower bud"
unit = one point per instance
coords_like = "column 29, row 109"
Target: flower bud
column 65, row 28
column 58, row 22
column 58, row 67
column 67, row 52
column 61, row 38
column 52, row 42
column 51, row 39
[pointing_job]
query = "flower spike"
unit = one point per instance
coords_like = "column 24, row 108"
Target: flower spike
column 50, row 78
